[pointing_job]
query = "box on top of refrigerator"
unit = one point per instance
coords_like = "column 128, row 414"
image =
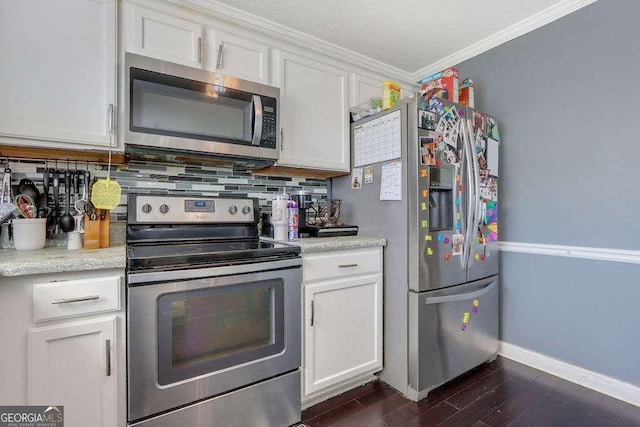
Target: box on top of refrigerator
column 466, row 93
column 443, row 84
column 390, row 94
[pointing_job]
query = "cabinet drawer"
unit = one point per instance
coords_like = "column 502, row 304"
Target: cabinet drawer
column 332, row 264
column 55, row 300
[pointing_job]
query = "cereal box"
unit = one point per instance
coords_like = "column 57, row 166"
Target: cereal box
column 390, row 94
column 443, row 84
column 466, row 93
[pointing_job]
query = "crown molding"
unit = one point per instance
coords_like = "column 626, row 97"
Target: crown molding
column 600, row 254
column 536, row 21
column 280, row 32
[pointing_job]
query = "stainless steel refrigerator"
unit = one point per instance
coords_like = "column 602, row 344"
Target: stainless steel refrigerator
column 425, row 176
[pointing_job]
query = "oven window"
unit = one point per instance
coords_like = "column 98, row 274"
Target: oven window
column 208, row 330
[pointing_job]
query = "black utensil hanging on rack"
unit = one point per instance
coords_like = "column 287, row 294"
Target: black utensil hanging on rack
column 67, row 223
column 56, row 197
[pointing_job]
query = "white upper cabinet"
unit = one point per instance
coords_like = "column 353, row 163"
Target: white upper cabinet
column 364, row 87
column 314, row 116
column 162, row 36
column 236, row 56
column 58, row 77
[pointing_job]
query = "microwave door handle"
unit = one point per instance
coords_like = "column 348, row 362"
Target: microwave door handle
column 258, row 116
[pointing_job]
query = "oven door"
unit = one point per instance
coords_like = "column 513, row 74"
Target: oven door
column 203, row 332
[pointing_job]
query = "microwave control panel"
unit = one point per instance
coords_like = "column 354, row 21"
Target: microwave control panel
column 269, row 122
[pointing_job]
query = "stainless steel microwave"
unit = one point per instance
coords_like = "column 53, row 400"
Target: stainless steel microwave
column 171, row 108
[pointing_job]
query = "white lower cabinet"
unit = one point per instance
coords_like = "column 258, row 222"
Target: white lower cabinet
column 64, row 345
column 73, row 365
column 342, row 313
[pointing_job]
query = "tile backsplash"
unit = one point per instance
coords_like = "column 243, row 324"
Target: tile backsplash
column 164, row 178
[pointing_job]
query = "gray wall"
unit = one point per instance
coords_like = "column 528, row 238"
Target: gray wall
column 567, row 99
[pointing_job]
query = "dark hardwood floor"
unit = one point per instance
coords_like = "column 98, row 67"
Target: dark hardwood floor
column 497, row 394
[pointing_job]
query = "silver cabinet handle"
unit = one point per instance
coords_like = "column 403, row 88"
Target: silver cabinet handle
column 107, row 345
column 112, row 119
column 281, row 139
column 312, row 313
column 79, row 299
column 219, row 59
column 200, row 55
column 347, row 265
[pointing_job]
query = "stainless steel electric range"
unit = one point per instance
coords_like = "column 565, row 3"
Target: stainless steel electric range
column 213, row 315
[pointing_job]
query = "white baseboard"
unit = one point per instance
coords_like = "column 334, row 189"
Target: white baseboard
column 593, row 380
column 336, row 391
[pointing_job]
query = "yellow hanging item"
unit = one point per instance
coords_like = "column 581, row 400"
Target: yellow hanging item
column 105, row 194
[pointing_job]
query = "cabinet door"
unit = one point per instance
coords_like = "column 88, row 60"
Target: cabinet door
column 58, row 71
column 364, row 87
column 71, row 365
column 314, row 114
column 343, row 331
column 235, row 56
column 163, row 37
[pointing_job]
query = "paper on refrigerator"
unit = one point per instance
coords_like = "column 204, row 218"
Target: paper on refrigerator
column 377, row 140
column 391, row 181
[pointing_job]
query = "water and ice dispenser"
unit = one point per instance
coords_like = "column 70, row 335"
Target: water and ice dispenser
column 441, row 198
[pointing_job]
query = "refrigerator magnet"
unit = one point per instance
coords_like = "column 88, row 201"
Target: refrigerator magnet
column 368, row 175
column 356, row 178
column 427, row 150
column 492, row 129
column 428, row 120
column 457, row 244
column 452, row 117
column 478, row 121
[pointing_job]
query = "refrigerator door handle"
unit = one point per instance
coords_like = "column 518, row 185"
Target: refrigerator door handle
column 476, row 167
column 462, row 296
column 470, row 196
column 464, row 174
column 475, row 194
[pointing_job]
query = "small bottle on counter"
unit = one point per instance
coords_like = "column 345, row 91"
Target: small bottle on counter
column 279, row 217
column 292, row 220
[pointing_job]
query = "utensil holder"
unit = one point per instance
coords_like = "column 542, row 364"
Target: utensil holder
column 91, row 233
column 29, row 233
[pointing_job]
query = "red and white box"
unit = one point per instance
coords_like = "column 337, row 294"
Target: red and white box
column 443, row 84
column 466, row 93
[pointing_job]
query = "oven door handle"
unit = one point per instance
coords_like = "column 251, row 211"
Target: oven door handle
column 137, row 278
column 256, row 103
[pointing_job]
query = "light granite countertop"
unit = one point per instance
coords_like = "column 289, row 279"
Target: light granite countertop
column 323, row 244
column 58, row 259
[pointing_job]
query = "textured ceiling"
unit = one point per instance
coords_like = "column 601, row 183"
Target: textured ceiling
column 406, row 34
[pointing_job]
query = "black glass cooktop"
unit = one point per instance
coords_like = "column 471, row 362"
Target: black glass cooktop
column 178, row 255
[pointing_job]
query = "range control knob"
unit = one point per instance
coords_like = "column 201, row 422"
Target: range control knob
column 146, row 208
column 164, row 208
column 246, row 210
column 233, row 209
